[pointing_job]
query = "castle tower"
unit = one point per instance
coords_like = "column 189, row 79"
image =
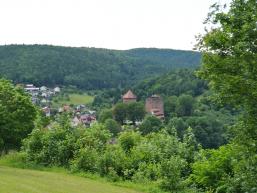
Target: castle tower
column 154, row 106
column 129, row 97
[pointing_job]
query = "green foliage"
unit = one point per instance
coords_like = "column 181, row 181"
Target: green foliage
column 150, row 124
column 55, row 147
column 173, row 83
column 191, row 145
column 120, row 112
column 17, row 115
column 185, row 105
column 113, row 161
column 170, row 104
column 230, row 56
column 229, row 64
column 179, row 124
column 128, row 140
column 112, row 126
column 213, row 168
column 171, row 174
column 104, row 115
column 209, row 130
column 134, row 111
column 88, row 68
column 142, row 159
column 94, row 137
column 147, row 172
column 85, row 160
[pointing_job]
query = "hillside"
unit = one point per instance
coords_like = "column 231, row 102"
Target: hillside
column 15, row 180
column 88, row 68
column 176, row 82
column 186, row 104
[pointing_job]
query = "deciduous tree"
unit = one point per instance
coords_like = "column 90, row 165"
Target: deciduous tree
column 17, row 115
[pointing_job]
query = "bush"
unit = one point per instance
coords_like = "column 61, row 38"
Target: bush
column 213, row 168
column 128, row 140
column 171, row 174
column 54, row 147
column 147, row 172
column 96, row 137
column 152, row 158
column 85, row 160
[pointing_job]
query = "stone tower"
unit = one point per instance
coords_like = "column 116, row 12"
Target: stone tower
column 154, row 106
column 129, row 97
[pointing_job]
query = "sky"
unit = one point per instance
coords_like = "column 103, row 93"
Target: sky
column 113, row 24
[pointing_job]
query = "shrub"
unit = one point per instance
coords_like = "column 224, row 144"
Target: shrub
column 212, row 168
column 54, row 147
column 115, row 159
column 171, row 174
column 147, row 172
column 96, row 137
column 128, row 140
column 85, row 160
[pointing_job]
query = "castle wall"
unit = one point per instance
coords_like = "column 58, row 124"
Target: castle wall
column 154, row 103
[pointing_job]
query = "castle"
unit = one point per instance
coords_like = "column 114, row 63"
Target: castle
column 153, row 105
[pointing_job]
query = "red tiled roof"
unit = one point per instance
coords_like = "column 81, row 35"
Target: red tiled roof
column 129, row 95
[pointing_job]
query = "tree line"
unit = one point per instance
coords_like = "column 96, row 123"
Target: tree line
column 87, row 68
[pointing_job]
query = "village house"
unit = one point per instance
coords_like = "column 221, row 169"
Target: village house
column 85, row 119
column 57, row 90
column 30, row 88
column 129, row 97
column 154, row 106
column 43, row 88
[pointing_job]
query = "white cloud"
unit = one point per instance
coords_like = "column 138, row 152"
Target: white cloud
column 116, row 24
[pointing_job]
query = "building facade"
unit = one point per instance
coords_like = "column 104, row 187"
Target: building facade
column 154, row 106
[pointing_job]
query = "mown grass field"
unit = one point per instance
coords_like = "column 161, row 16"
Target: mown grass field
column 75, row 99
column 14, row 180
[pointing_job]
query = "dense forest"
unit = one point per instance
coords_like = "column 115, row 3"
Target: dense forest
column 88, row 68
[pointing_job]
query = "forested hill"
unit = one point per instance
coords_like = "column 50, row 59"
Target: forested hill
column 88, row 68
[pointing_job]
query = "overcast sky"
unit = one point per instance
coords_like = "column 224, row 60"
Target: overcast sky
column 115, row 24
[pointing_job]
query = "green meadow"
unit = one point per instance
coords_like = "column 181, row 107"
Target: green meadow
column 14, row 180
column 75, row 99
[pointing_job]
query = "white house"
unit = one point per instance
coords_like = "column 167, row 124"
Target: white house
column 43, row 88
column 57, row 89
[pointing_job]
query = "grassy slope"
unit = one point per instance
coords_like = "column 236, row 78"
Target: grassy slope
column 13, row 180
column 80, row 99
column 75, row 99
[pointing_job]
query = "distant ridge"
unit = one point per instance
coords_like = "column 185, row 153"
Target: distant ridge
column 89, row 68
